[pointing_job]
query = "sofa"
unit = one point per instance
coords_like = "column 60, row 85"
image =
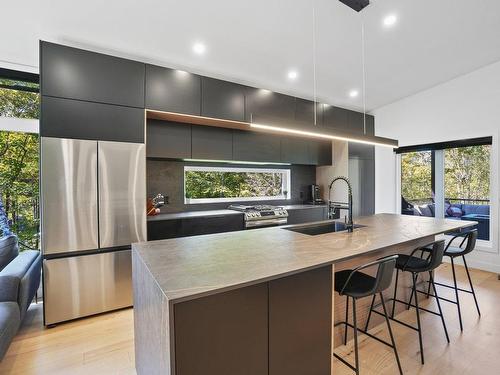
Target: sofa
column 453, row 211
column 20, row 274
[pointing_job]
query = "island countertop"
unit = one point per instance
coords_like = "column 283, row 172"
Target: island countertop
column 192, row 267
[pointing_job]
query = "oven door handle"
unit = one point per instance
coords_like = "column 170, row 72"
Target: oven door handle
column 265, row 223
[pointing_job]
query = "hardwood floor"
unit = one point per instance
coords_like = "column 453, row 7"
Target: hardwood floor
column 104, row 344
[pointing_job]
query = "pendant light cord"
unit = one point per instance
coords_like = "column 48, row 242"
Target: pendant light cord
column 364, row 72
column 314, row 60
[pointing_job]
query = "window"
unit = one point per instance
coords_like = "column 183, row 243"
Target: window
column 450, row 180
column 225, row 184
column 19, row 200
column 417, row 188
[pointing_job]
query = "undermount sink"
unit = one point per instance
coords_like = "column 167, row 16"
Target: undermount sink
column 315, row 229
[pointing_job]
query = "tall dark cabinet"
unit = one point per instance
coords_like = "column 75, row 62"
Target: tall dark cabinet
column 172, row 90
column 74, row 73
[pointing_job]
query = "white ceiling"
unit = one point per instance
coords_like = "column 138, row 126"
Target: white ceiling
column 257, row 42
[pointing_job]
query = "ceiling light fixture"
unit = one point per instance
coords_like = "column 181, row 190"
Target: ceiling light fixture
column 353, row 93
column 390, row 20
column 199, row 48
column 292, row 75
column 377, row 141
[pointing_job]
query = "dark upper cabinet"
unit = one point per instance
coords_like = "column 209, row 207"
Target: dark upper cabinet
column 357, row 123
column 171, row 90
column 304, row 112
column 212, row 143
column 168, row 140
column 254, row 146
column 336, row 117
column 223, row 100
column 269, row 107
column 320, row 152
column 295, row 150
column 66, row 118
column 78, row 74
column 370, row 125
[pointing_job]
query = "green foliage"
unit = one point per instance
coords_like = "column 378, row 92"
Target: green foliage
column 416, row 176
column 467, row 174
column 19, row 170
column 232, row 184
column 15, row 103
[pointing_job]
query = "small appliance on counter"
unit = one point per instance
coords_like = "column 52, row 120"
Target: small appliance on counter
column 155, row 203
column 261, row 215
column 315, row 195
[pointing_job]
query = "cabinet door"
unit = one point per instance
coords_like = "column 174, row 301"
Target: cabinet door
column 78, row 74
column 307, row 215
column 212, row 224
column 221, row 99
column 253, row 146
column 168, row 140
column 335, row 117
column 370, row 125
column 269, row 107
column 65, row 118
column 320, row 152
column 295, row 150
column 300, row 323
column 223, row 334
column 212, row 143
column 171, row 90
column 304, row 112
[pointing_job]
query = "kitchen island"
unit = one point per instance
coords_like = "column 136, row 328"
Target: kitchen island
column 257, row 301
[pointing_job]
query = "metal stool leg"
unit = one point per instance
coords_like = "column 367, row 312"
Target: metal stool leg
column 395, row 293
column 390, row 334
column 346, row 318
column 418, row 317
column 456, row 293
column 355, row 324
column 431, row 281
column 471, row 287
column 370, row 313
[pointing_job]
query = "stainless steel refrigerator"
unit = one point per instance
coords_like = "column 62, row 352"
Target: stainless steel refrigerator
column 93, row 208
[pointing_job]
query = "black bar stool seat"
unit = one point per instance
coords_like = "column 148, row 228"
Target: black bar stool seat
column 360, row 284
column 355, row 284
column 410, row 263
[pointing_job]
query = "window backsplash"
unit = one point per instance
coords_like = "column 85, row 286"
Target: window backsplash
column 167, row 177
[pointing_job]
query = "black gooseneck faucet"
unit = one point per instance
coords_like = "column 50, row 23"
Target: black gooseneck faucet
column 333, row 206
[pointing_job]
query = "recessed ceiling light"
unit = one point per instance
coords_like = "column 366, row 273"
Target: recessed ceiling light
column 292, row 75
column 199, row 48
column 353, row 93
column 390, row 20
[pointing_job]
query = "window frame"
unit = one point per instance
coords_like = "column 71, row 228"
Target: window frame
column 286, row 183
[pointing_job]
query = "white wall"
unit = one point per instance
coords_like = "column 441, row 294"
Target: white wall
column 15, row 124
column 465, row 107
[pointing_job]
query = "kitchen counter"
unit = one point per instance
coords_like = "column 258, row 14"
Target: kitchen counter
column 251, row 291
column 223, row 212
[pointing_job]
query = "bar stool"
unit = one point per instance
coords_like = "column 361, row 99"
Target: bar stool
column 416, row 266
column 356, row 284
column 454, row 252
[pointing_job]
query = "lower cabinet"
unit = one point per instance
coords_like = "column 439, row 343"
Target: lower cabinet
column 307, row 215
column 223, row 334
column 163, row 229
column 281, row 327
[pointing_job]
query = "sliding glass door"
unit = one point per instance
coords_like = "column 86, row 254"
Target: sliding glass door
column 450, row 180
column 467, row 186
